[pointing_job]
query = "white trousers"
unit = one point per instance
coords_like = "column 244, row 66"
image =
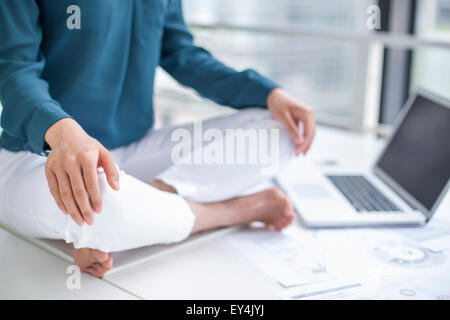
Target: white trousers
column 138, row 214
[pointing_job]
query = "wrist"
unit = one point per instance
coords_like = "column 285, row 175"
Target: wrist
column 272, row 96
column 56, row 131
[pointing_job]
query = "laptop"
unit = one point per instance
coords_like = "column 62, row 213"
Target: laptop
column 405, row 186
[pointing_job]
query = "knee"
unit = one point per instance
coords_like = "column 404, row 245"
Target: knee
column 137, row 215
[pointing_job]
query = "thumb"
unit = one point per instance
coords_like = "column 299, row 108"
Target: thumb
column 106, row 161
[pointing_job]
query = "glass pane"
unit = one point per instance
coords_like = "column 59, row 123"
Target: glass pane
column 343, row 15
column 431, row 66
column 319, row 72
column 307, row 68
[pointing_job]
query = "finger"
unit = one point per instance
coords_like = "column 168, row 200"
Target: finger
column 308, row 146
column 298, row 149
column 54, row 190
column 80, row 194
column 309, row 128
column 65, row 191
column 308, row 141
column 106, row 161
column 292, row 128
column 91, row 182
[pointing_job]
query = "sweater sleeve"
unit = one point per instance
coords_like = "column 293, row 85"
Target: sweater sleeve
column 194, row 67
column 28, row 108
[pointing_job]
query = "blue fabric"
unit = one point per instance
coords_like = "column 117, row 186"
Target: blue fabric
column 102, row 74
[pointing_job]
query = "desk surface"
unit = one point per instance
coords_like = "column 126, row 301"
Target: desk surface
column 28, row 272
column 206, row 269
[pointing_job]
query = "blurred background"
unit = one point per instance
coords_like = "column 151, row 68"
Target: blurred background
column 322, row 52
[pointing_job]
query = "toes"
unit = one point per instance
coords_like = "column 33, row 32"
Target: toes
column 279, row 227
column 282, row 222
column 99, row 270
column 96, row 271
column 290, row 219
column 100, row 256
column 92, row 270
column 108, row 264
column 276, row 225
column 93, row 261
column 280, row 199
column 280, row 210
column 292, row 216
column 274, row 194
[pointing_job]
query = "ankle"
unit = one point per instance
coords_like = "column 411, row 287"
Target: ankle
column 161, row 185
column 209, row 216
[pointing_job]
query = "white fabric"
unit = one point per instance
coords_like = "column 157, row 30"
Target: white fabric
column 138, row 214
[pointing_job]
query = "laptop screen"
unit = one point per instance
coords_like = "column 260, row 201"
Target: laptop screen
column 418, row 156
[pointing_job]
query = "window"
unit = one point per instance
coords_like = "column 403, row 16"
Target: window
column 431, row 66
column 261, row 34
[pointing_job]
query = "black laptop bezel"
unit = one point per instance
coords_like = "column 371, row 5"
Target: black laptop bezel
column 405, row 195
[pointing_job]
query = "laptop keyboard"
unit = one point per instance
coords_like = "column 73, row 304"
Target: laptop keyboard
column 363, row 195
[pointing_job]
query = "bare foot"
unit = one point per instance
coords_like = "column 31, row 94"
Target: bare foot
column 270, row 206
column 93, row 261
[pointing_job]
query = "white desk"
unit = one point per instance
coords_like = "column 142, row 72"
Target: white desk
column 27, row 272
column 206, row 269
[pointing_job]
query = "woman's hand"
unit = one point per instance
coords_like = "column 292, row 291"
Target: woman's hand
column 71, row 170
column 290, row 112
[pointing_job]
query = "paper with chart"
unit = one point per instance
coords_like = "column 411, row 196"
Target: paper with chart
column 418, row 251
column 326, row 290
column 279, row 256
column 373, row 262
column 434, row 236
column 363, row 289
column 367, row 252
